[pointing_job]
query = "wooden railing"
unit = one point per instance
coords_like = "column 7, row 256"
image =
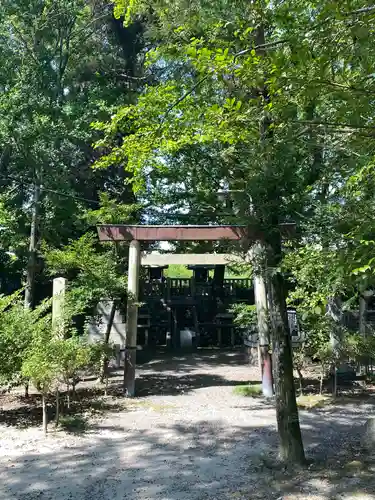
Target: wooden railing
column 187, row 287
column 179, row 287
column 239, row 282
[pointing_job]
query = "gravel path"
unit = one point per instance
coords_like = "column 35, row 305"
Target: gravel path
column 193, row 439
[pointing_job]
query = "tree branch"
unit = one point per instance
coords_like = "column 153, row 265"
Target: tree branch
column 363, row 10
column 334, row 124
column 182, row 98
column 24, row 42
column 261, row 46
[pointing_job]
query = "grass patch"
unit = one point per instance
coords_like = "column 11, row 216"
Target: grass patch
column 313, row 401
column 75, row 424
column 252, row 391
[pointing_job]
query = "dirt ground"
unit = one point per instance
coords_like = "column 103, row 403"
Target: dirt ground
column 186, row 436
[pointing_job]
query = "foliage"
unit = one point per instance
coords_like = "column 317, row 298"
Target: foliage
column 248, row 390
column 41, row 364
column 62, row 65
column 17, row 328
column 181, row 271
column 50, row 360
column 73, row 355
column 238, row 271
column 97, row 352
column 316, row 275
column 111, row 212
column 196, row 131
column 245, row 315
column 30, row 349
column 98, row 275
column 178, row 271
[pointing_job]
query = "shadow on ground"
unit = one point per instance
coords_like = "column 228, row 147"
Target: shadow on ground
column 167, row 374
column 169, row 385
column 184, row 361
column 190, row 459
column 203, row 461
column 24, row 412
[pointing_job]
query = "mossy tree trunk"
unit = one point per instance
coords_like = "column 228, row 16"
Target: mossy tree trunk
column 291, row 445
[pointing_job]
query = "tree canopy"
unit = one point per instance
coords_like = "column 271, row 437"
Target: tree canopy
column 257, row 113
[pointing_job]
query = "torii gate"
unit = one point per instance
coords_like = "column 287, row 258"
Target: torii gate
column 135, row 234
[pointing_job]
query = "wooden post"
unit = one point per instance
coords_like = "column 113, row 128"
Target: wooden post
column 168, row 338
column 132, row 318
column 58, row 293
column 219, row 336
column 362, row 315
column 232, row 336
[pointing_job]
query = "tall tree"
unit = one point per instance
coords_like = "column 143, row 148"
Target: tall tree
column 259, row 99
column 63, row 65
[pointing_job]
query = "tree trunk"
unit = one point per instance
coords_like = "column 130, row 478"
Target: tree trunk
column 68, row 396
column 57, row 417
column 105, row 361
column 31, row 265
column 45, row 416
column 291, row 446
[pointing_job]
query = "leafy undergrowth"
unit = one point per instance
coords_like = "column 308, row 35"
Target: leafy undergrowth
column 248, row 390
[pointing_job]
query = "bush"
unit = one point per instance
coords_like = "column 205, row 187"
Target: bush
column 248, row 390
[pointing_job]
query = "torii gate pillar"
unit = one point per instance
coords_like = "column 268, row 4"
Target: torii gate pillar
column 132, row 318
